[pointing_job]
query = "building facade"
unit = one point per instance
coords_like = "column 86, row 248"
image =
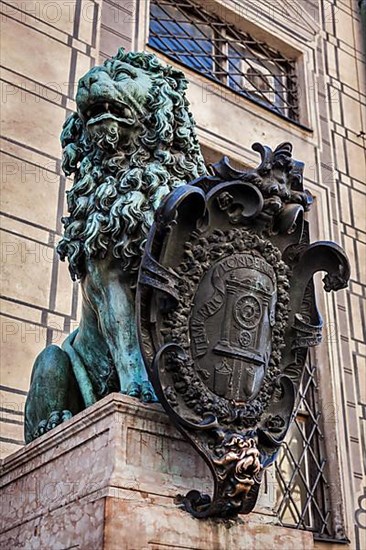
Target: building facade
column 269, row 71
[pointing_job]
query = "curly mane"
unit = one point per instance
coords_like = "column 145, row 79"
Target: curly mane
column 115, row 195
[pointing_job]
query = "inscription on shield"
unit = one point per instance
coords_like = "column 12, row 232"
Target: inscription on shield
column 231, row 323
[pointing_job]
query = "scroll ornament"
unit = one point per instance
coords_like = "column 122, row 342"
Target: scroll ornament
column 226, row 314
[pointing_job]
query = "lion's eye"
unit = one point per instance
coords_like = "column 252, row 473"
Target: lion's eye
column 124, row 71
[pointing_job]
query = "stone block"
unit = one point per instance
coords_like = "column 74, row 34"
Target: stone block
column 35, row 188
column 107, row 479
column 19, row 38
column 58, row 15
column 27, row 269
column 21, row 343
column 344, row 27
column 347, row 69
column 63, row 297
column 32, row 120
column 88, row 18
column 352, row 112
column 359, row 209
column 119, row 18
column 344, row 204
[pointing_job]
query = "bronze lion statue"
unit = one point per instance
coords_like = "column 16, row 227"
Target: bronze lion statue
column 131, row 141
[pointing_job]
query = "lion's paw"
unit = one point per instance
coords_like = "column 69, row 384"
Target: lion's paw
column 55, row 419
column 133, row 390
column 147, row 393
column 143, row 391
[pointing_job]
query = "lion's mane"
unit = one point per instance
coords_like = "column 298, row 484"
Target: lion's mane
column 114, row 196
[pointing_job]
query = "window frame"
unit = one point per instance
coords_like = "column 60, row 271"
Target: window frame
column 258, row 45
column 315, row 514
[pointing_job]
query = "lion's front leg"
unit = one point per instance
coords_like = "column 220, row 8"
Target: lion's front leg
column 120, row 326
column 109, row 292
column 137, row 384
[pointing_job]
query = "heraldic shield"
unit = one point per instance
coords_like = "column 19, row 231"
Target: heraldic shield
column 226, row 313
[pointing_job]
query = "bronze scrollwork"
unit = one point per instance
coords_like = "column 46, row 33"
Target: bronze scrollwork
column 226, row 312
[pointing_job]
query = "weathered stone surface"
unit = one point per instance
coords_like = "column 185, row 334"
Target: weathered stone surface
column 161, row 527
column 107, row 479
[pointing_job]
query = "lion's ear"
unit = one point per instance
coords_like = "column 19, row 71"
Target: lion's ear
column 72, row 130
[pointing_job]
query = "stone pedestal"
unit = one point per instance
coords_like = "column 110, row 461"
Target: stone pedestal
column 107, row 479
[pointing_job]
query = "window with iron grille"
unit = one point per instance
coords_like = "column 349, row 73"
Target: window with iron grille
column 189, row 34
column 303, row 490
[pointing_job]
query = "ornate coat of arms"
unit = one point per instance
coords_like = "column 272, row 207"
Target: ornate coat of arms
column 227, row 311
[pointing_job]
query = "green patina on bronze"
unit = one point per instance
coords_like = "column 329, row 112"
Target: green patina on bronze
column 130, row 143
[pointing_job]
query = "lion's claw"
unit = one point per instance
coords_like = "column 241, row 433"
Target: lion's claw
column 143, row 391
column 147, row 393
column 133, row 389
column 55, row 418
column 42, row 428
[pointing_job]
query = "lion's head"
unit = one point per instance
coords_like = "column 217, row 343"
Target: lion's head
column 130, row 143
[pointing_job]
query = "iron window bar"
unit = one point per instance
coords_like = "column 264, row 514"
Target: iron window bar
column 189, row 34
column 304, row 502
column 174, row 53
